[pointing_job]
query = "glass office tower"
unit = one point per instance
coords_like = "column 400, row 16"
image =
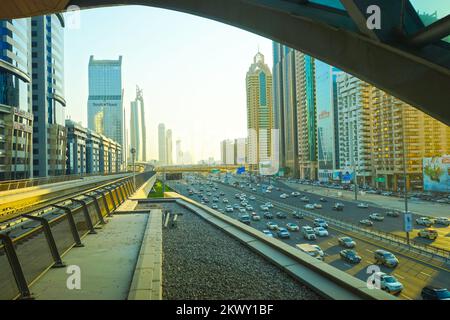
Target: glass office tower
column 16, row 119
column 105, row 114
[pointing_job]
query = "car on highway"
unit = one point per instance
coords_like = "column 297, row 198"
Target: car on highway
column 363, row 205
column 308, row 233
column 283, row 233
column 309, row 206
column 338, row 206
column 264, row 208
column 268, row 233
column 245, row 219
column 268, row 215
column 346, row 242
column 229, row 209
column 225, row 200
column 319, row 249
column 323, row 200
column 295, row 193
column 269, row 205
column 393, row 214
column 317, row 206
column 376, row 217
column 434, row 293
column 215, row 199
column 297, row 215
column 350, row 255
column 385, row 258
column 284, row 196
column 318, row 222
column 312, row 250
column 281, row 215
column 366, row 222
column 256, row 217
column 443, row 221
column 214, row 206
column 304, row 199
column 236, row 206
column 249, row 208
column 428, row 234
column 242, row 210
column 272, row 225
column 424, row 221
column 321, row 231
column 252, row 198
column 388, row 282
column 292, row 226
column 222, row 194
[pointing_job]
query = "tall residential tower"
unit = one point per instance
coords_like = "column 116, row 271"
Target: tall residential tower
column 138, row 136
column 162, row 144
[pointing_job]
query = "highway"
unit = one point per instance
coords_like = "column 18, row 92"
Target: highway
column 414, row 273
column 353, row 214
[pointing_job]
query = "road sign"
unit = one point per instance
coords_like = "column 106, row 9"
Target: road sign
column 381, row 179
column 240, row 170
column 407, row 222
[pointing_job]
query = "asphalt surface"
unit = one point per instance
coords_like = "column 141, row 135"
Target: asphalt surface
column 414, row 273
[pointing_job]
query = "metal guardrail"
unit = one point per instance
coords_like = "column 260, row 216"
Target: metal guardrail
column 25, row 256
column 26, row 183
column 380, row 235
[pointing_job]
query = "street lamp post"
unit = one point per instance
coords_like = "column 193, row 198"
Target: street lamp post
column 133, row 152
column 404, row 176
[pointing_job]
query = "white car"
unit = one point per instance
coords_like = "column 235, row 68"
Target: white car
column 304, row 199
column 229, row 209
column 376, row 216
column 387, row 282
column 309, row 206
column 443, row 220
column 252, row 198
column 321, row 231
column 264, row 208
column 317, row 206
column 320, row 223
column 424, row 221
column 269, row 205
column 363, row 205
column 249, row 208
column 256, row 217
column 214, row 206
column 284, row 196
column 319, row 249
column 295, row 194
column 268, row 233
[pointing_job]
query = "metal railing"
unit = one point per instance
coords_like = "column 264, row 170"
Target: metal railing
column 33, row 182
column 27, row 249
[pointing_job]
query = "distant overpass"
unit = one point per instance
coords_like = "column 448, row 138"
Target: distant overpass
column 198, row 168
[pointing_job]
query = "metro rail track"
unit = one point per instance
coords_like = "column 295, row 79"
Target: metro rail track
column 8, row 217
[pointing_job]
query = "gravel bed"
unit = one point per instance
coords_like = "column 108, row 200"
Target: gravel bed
column 202, row 262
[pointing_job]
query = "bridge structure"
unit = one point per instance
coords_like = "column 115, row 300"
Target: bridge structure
column 400, row 53
column 199, row 168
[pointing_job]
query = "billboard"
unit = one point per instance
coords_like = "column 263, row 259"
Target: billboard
column 174, row 176
column 436, row 174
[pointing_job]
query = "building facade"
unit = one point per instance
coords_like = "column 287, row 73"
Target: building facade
column 240, row 151
column 92, row 152
column 327, row 121
column 169, row 156
column 285, row 106
column 48, row 100
column 16, row 118
column 306, row 116
column 105, row 108
column 162, row 153
column 138, row 135
column 76, row 148
column 260, row 118
column 179, row 152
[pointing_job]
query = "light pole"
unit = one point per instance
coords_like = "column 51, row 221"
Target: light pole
column 133, row 152
column 404, row 176
column 355, row 179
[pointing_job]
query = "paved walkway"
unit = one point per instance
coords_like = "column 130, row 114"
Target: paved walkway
column 107, row 263
column 416, row 206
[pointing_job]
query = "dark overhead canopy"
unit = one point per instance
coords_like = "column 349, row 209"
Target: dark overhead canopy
column 408, row 57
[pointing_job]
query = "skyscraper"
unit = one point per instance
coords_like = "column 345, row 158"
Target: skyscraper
column 306, row 115
column 169, row 158
column 138, row 136
column 16, row 119
column 162, row 143
column 179, row 152
column 105, row 113
column 260, row 115
column 327, row 119
column 240, row 151
column 285, row 107
column 48, row 95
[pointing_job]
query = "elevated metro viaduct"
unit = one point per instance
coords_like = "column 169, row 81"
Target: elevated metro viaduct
column 198, row 168
column 403, row 57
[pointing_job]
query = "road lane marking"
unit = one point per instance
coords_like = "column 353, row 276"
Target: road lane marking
column 428, row 275
column 347, row 265
column 399, row 276
column 406, row 297
column 369, row 250
column 330, row 243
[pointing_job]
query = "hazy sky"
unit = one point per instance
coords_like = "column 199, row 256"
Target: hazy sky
column 192, row 71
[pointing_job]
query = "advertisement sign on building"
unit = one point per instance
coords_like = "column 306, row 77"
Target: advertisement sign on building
column 436, row 174
column 407, row 222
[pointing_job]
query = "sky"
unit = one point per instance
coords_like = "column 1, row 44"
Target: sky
column 192, row 71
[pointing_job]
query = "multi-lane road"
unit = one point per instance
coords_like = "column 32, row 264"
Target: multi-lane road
column 414, row 272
